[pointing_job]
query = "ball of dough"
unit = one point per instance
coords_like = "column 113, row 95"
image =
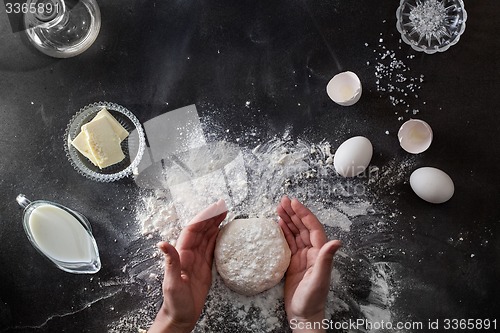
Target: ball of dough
column 251, row 255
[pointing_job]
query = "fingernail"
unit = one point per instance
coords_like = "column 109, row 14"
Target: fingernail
column 221, row 204
column 159, row 245
column 334, row 249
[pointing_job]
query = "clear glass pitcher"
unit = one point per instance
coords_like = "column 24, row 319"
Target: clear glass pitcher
column 61, row 235
column 62, row 28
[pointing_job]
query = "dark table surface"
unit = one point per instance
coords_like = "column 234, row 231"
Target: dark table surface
column 156, row 56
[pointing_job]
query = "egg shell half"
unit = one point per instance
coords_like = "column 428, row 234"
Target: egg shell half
column 415, row 136
column 353, row 156
column 432, row 185
column 344, row 88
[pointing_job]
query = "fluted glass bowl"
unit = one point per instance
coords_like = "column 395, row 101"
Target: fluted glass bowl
column 431, row 26
column 133, row 146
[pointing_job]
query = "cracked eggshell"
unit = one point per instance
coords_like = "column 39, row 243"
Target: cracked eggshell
column 344, row 88
column 432, row 185
column 353, row 156
column 415, row 136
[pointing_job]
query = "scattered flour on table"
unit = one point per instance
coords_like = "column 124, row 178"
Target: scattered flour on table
column 252, row 181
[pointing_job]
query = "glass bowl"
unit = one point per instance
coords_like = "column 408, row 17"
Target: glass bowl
column 431, row 26
column 133, row 146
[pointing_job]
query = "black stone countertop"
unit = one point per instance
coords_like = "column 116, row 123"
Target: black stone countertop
column 156, row 56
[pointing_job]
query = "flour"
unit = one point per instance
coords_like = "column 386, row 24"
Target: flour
column 227, row 311
column 252, row 181
column 159, row 215
column 252, row 178
column 379, row 299
column 394, row 172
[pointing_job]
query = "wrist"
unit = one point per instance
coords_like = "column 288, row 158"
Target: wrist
column 164, row 324
column 167, row 327
column 309, row 324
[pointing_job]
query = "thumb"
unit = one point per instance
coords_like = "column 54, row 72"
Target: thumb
column 324, row 262
column 172, row 262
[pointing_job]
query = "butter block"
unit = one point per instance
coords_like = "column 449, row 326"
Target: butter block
column 103, row 142
column 117, row 127
column 82, row 145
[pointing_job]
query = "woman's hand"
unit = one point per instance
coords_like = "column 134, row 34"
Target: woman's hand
column 307, row 280
column 188, row 272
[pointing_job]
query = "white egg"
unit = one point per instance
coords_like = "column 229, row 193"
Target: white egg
column 353, row 156
column 415, row 136
column 432, row 185
column 344, row 88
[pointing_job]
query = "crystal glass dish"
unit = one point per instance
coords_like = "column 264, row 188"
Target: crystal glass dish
column 133, row 146
column 431, row 26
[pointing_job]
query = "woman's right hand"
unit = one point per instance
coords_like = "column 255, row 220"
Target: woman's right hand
column 307, row 280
